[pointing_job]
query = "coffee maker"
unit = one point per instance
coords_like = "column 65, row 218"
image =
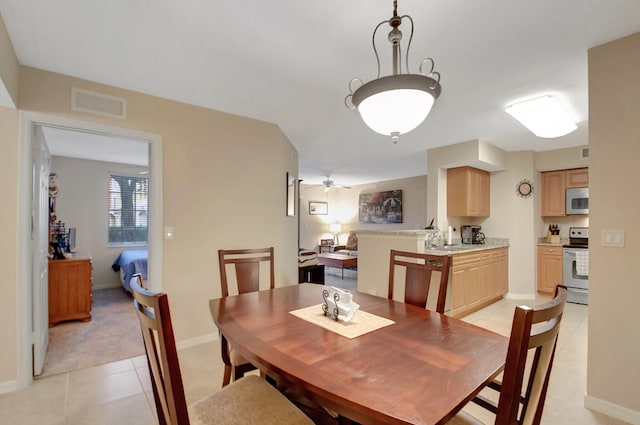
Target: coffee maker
column 472, row 234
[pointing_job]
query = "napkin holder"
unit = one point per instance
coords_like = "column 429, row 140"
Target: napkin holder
column 338, row 304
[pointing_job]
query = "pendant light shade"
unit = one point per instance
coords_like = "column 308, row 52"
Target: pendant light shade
column 398, row 103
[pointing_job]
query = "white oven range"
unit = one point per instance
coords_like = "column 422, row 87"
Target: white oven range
column 575, row 265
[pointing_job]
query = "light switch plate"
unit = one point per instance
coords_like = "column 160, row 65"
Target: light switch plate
column 613, row 238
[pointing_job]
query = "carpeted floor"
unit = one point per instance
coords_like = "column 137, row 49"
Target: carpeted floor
column 113, row 334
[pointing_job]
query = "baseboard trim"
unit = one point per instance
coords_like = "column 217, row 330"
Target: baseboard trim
column 192, row 342
column 512, row 296
column 8, row 387
column 610, row 409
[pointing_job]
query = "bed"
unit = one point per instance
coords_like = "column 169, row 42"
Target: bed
column 130, row 262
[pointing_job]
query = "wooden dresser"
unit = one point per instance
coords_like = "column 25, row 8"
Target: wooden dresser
column 69, row 290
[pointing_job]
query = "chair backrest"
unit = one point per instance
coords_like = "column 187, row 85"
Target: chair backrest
column 162, row 357
column 352, row 242
column 247, row 267
column 418, row 276
column 534, row 329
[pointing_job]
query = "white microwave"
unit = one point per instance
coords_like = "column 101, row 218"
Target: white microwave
column 578, row 201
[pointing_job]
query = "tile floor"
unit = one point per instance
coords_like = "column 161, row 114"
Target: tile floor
column 119, row 392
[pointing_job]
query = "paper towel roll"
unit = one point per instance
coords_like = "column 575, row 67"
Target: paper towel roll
column 449, row 235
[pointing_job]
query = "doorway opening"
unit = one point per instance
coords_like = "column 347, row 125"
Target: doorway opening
column 32, row 321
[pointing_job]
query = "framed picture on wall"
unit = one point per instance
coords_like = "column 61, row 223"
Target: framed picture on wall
column 291, row 195
column 380, row 207
column 318, row 208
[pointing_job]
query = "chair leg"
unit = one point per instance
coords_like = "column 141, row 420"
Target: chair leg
column 227, row 376
column 238, row 373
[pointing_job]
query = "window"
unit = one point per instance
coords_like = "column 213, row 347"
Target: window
column 128, row 209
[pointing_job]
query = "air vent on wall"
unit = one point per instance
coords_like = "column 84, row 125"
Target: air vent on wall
column 98, row 103
column 584, row 153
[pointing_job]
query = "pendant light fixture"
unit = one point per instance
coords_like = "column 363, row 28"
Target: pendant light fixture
column 398, row 103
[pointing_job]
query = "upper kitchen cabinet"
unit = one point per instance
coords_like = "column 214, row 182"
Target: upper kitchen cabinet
column 554, row 186
column 578, row 177
column 468, row 192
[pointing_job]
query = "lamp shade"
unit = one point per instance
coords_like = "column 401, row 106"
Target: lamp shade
column 396, row 104
column 335, row 228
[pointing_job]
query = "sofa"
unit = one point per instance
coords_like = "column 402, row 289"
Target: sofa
column 350, row 248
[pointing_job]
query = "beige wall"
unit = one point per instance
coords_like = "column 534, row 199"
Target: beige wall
column 223, row 187
column 561, row 159
column 9, row 67
column 343, row 207
column 82, row 203
column 8, row 252
column 613, row 378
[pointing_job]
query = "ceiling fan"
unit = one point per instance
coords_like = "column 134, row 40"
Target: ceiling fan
column 328, row 184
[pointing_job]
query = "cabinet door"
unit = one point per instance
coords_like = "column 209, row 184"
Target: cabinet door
column 578, row 177
column 499, row 284
column 468, row 192
column 483, row 189
column 553, row 194
column 549, row 268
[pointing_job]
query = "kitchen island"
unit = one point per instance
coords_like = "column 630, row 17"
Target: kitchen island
column 479, row 273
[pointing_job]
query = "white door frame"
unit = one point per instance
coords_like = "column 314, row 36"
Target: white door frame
column 27, row 121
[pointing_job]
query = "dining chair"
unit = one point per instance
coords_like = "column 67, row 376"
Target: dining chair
column 418, row 276
column 246, row 263
column 534, row 334
column 247, row 401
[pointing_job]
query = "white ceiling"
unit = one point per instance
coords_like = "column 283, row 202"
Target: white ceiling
column 96, row 147
column 290, row 62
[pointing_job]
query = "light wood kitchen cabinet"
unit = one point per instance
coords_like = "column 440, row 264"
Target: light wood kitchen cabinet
column 554, row 186
column 477, row 279
column 549, row 268
column 468, row 192
column 553, row 193
column 578, row 177
column 69, row 290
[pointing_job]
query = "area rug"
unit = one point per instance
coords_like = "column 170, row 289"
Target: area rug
column 112, row 334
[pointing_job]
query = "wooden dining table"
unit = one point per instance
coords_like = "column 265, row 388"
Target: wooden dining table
column 421, row 369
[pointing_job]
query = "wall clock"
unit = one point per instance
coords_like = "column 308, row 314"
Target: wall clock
column 524, row 188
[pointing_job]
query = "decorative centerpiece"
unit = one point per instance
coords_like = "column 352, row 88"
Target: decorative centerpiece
column 338, row 304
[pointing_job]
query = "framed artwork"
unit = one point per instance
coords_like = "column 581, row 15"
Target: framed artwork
column 291, row 195
column 380, row 207
column 318, row 208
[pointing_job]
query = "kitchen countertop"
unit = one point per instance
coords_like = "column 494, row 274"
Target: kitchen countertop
column 489, row 243
column 543, row 242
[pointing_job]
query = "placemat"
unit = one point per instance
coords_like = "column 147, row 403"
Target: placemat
column 361, row 323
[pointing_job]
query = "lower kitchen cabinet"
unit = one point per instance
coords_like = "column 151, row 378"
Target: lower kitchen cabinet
column 478, row 279
column 69, row 290
column 549, row 268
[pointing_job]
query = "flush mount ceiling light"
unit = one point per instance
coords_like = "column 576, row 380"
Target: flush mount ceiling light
column 543, row 116
column 397, row 103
